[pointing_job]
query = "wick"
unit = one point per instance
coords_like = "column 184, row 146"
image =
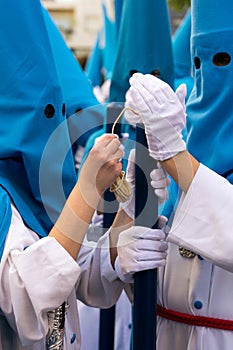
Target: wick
column 118, row 117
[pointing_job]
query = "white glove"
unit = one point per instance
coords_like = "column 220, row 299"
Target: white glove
column 162, row 111
column 140, row 248
column 131, row 117
column 129, row 205
column 102, row 92
column 160, row 182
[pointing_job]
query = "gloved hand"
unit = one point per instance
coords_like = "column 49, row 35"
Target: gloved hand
column 162, row 111
column 129, row 205
column 160, row 182
column 131, row 117
column 140, row 248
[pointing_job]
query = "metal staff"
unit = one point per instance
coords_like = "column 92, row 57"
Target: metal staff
column 145, row 282
column 107, row 316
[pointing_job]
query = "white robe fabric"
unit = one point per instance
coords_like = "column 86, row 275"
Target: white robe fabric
column 90, row 317
column 202, row 285
column 38, row 275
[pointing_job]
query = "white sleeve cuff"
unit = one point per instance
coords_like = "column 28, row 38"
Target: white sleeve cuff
column 126, row 278
column 201, row 218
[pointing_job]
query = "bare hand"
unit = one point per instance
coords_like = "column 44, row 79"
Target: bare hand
column 102, row 165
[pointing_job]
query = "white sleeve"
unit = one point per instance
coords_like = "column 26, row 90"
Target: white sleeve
column 202, row 221
column 99, row 285
column 36, row 275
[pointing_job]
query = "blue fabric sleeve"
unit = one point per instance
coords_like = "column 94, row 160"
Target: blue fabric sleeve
column 5, row 217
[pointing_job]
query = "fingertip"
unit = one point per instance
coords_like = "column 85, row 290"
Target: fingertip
column 132, row 155
column 136, row 75
column 107, row 134
column 152, row 173
column 133, row 89
column 181, row 91
column 102, row 137
column 182, row 87
column 162, row 221
column 125, row 135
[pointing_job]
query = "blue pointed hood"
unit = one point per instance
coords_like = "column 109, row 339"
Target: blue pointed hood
column 144, row 44
column 118, row 5
column 94, row 62
column 181, row 47
column 210, row 109
column 182, row 54
column 76, row 88
column 33, row 125
column 100, row 62
column 5, row 217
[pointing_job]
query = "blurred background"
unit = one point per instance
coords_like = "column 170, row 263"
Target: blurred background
column 79, row 21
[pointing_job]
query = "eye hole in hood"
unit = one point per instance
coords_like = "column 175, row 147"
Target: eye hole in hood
column 221, row 59
column 197, row 62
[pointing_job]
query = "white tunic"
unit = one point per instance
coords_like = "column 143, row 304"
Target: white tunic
column 202, row 285
column 90, row 317
column 39, row 275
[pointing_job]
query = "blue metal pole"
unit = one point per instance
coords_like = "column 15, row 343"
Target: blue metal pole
column 145, row 282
